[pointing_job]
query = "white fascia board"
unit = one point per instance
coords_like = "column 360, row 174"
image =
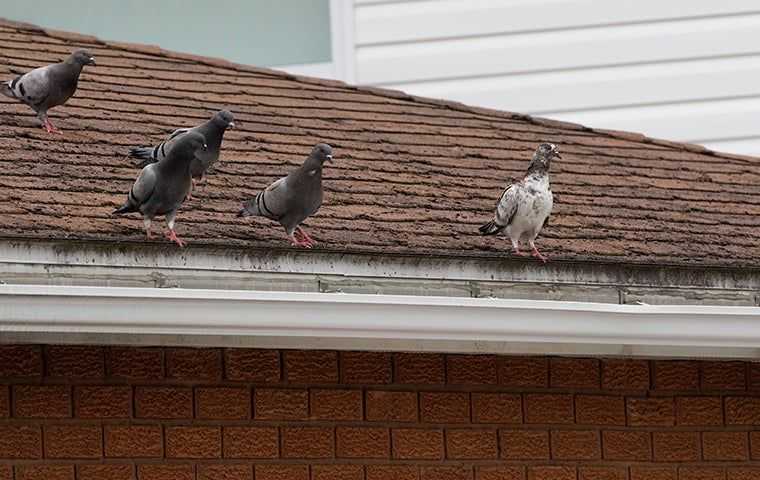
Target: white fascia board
column 144, row 316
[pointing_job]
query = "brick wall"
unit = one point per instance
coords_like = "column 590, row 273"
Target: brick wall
column 114, row 413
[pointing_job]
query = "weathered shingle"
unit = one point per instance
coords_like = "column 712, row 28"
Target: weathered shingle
column 412, row 175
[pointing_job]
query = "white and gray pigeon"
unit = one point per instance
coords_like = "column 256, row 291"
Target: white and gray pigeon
column 292, row 199
column 161, row 187
column 47, row 87
column 213, row 130
column 524, row 207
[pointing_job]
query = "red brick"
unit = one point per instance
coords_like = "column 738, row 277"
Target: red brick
column 676, row 446
column 337, row 472
column 420, row 368
column 336, row 404
column 575, row 445
column 133, row 441
column 311, row 366
column 103, row 402
column 252, row 365
column 699, row 411
column 651, row 411
column 165, row 472
column 445, row 407
column 229, row 471
column 574, row 373
column 363, row 442
column 496, row 408
column 45, row 472
column 164, row 402
column 193, row 442
column 391, row 406
column 393, row 472
column 281, row 472
column 625, row 374
column 417, row 444
column 475, row 444
column 742, row 410
column 194, row 363
column 20, row 441
column 251, row 442
column 626, row 445
column 499, row 472
column 20, row 361
column 725, row 446
column 135, row 363
column 73, row 441
column 281, row 404
column 42, row 401
column 681, row 375
column 114, row 471
column 723, row 376
column 653, row 473
column 448, row 472
column 471, row 369
column 701, row 473
column 602, row 473
column 549, row 408
column 540, row 472
column 6, row 472
column 739, row 473
column 366, row 368
column 5, row 402
column 600, row 410
column 307, row 442
column 754, row 376
column 524, row 444
column 754, row 441
column 223, row 403
column 75, row 361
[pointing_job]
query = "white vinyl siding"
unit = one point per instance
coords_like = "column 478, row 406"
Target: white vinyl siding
column 678, row 69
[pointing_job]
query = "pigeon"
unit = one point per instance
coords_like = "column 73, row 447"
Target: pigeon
column 524, row 207
column 290, row 200
column 161, row 187
column 47, row 87
column 213, row 130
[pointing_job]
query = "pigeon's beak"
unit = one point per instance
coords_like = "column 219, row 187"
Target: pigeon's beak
column 556, row 154
column 329, row 158
column 230, row 125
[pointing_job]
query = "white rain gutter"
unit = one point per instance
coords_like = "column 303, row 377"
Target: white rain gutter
column 148, row 316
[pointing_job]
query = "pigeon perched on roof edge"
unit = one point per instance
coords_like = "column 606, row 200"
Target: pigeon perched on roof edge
column 292, row 199
column 162, row 187
column 46, row 87
column 213, row 130
column 524, row 207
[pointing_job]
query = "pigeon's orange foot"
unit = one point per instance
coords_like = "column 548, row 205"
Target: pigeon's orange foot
column 50, row 128
column 519, row 253
column 304, row 237
column 171, row 235
column 299, row 242
column 538, row 255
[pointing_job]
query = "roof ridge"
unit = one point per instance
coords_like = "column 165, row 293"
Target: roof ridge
column 373, row 90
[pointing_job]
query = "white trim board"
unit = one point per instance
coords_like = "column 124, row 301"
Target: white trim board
column 148, row 316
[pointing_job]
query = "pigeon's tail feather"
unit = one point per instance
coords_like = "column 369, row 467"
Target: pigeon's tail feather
column 490, row 228
column 128, row 207
column 251, row 207
column 5, row 89
column 143, row 155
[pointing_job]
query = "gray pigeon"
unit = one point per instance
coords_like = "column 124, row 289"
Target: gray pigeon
column 213, row 130
column 47, row 87
column 524, row 207
column 161, row 187
column 292, row 199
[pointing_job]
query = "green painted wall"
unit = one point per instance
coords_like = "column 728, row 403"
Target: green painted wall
column 256, row 32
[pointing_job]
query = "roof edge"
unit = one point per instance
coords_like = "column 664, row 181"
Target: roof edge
column 377, row 91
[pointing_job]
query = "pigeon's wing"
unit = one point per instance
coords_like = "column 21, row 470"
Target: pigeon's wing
column 32, row 88
column 177, row 133
column 147, row 155
column 144, row 186
column 269, row 203
column 506, row 207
